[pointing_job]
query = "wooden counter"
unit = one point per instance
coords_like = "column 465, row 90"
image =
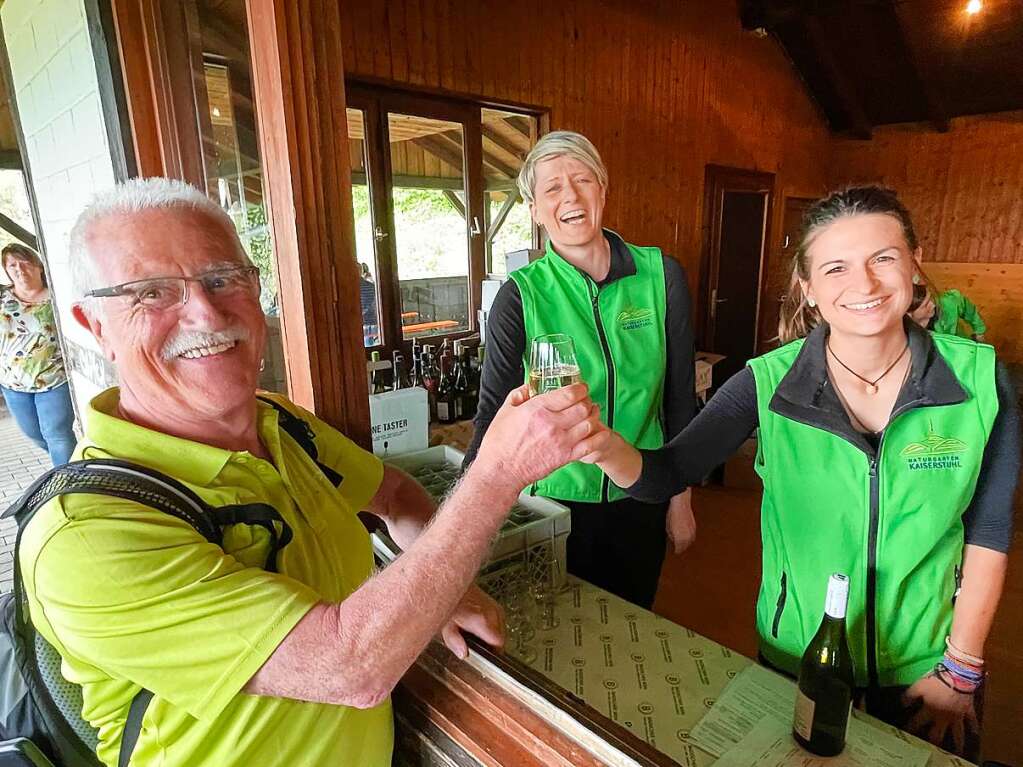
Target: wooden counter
column 606, row 682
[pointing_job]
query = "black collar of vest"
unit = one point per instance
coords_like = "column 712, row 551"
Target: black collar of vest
column 806, row 395
column 622, row 262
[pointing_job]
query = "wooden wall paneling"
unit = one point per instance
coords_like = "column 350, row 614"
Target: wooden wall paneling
column 298, row 74
column 962, row 187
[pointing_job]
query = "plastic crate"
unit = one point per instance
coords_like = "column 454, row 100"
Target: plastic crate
column 531, row 542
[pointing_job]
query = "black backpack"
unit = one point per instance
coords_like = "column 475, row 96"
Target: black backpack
column 40, row 711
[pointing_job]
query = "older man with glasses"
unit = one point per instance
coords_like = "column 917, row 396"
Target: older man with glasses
column 247, row 666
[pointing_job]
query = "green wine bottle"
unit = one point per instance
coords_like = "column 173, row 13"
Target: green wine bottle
column 824, row 697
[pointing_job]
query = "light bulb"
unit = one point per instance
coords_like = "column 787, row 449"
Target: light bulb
column 974, row 6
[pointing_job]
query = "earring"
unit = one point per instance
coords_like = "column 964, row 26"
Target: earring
column 811, row 303
column 916, row 279
column 262, row 365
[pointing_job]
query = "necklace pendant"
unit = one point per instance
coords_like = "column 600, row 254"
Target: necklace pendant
column 874, row 388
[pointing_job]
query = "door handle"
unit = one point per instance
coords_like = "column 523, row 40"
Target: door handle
column 379, row 234
column 714, row 301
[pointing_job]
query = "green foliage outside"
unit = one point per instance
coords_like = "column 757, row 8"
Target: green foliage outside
column 430, row 233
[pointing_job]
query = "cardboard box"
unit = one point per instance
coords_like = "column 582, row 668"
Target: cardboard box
column 399, row 421
column 705, row 362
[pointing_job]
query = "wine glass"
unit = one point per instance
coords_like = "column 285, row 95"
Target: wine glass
column 552, row 363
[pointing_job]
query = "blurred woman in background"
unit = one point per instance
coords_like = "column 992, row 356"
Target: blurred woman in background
column 32, row 375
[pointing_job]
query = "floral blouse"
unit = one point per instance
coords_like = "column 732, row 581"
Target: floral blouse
column 30, row 355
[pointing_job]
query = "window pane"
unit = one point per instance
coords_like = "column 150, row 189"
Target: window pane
column 507, row 139
column 431, row 237
column 14, row 205
column 234, row 173
column 364, row 248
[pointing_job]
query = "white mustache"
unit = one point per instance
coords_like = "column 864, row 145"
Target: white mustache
column 198, row 339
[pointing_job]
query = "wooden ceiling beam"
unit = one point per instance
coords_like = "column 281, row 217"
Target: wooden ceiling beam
column 502, row 142
column 936, row 113
column 447, row 151
column 848, row 101
column 17, row 230
column 10, row 159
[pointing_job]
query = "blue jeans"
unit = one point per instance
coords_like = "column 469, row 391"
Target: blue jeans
column 46, row 418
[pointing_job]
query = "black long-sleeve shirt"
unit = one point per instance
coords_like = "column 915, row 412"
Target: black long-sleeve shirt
column 506, row 342
column 731, row 416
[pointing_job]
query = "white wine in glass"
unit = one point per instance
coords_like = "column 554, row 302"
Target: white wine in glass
column 552, row 363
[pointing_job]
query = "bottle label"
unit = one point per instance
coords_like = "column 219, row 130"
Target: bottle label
column 838, row 596
column 442, row 411
column 803, row 721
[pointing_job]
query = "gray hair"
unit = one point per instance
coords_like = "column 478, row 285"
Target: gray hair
column 133, row 196
column 560, row 143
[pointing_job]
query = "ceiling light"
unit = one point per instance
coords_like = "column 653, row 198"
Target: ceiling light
column 974, row 6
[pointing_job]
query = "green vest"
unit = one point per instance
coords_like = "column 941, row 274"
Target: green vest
column 619, row 339
column 892, row 523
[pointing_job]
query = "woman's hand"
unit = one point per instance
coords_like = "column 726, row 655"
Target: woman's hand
column 923, row 313
column 942, row 710
column 619, row 460
column 680, row 522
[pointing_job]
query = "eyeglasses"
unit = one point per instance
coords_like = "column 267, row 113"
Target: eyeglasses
column 162, row 293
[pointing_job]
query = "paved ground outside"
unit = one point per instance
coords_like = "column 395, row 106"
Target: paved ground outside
column 20, row 463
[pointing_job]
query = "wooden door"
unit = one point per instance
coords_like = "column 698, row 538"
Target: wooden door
column 778, row 272
column 736, row 215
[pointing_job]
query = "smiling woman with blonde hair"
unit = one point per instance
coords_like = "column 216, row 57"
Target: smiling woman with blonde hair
column 888, row 454
column 628, row 310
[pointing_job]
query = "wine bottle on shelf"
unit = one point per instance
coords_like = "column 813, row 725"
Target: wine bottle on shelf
column 376, row 378
column 416, row 377
column 461, row 383
column 824, row 697
column 429, row 377
column 400, row 378
column 446, row 399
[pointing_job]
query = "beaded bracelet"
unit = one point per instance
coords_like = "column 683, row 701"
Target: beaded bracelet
column 964, row 672
column 953, row 682
column 961, row 655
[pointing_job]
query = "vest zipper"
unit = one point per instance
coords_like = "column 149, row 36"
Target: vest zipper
column 609, row 366
column 872, row 529
column 871, row 622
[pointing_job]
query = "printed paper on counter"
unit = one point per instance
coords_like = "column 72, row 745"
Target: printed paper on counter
column 770, row 744
column 755, row 692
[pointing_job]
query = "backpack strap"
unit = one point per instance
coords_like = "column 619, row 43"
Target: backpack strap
column 261, row 514
column 151, row 488
column 133, row 726
column 303, row 434
column 118, row 479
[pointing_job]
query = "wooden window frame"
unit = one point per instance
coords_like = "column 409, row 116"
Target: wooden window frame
column 376, row 101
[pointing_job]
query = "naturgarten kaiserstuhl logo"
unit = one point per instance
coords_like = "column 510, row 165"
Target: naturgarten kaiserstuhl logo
column 632, row 318
column 934, row 452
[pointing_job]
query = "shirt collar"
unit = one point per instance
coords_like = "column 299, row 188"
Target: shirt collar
column 931, row 381
column 191, row 462
column 622, row 263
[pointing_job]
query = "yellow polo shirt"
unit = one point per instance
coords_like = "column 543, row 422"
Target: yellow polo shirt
column 133, row 598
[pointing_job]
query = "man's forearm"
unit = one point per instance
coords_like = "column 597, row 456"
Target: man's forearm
column 364, row 645
column 406, row 508
column 983, row 579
